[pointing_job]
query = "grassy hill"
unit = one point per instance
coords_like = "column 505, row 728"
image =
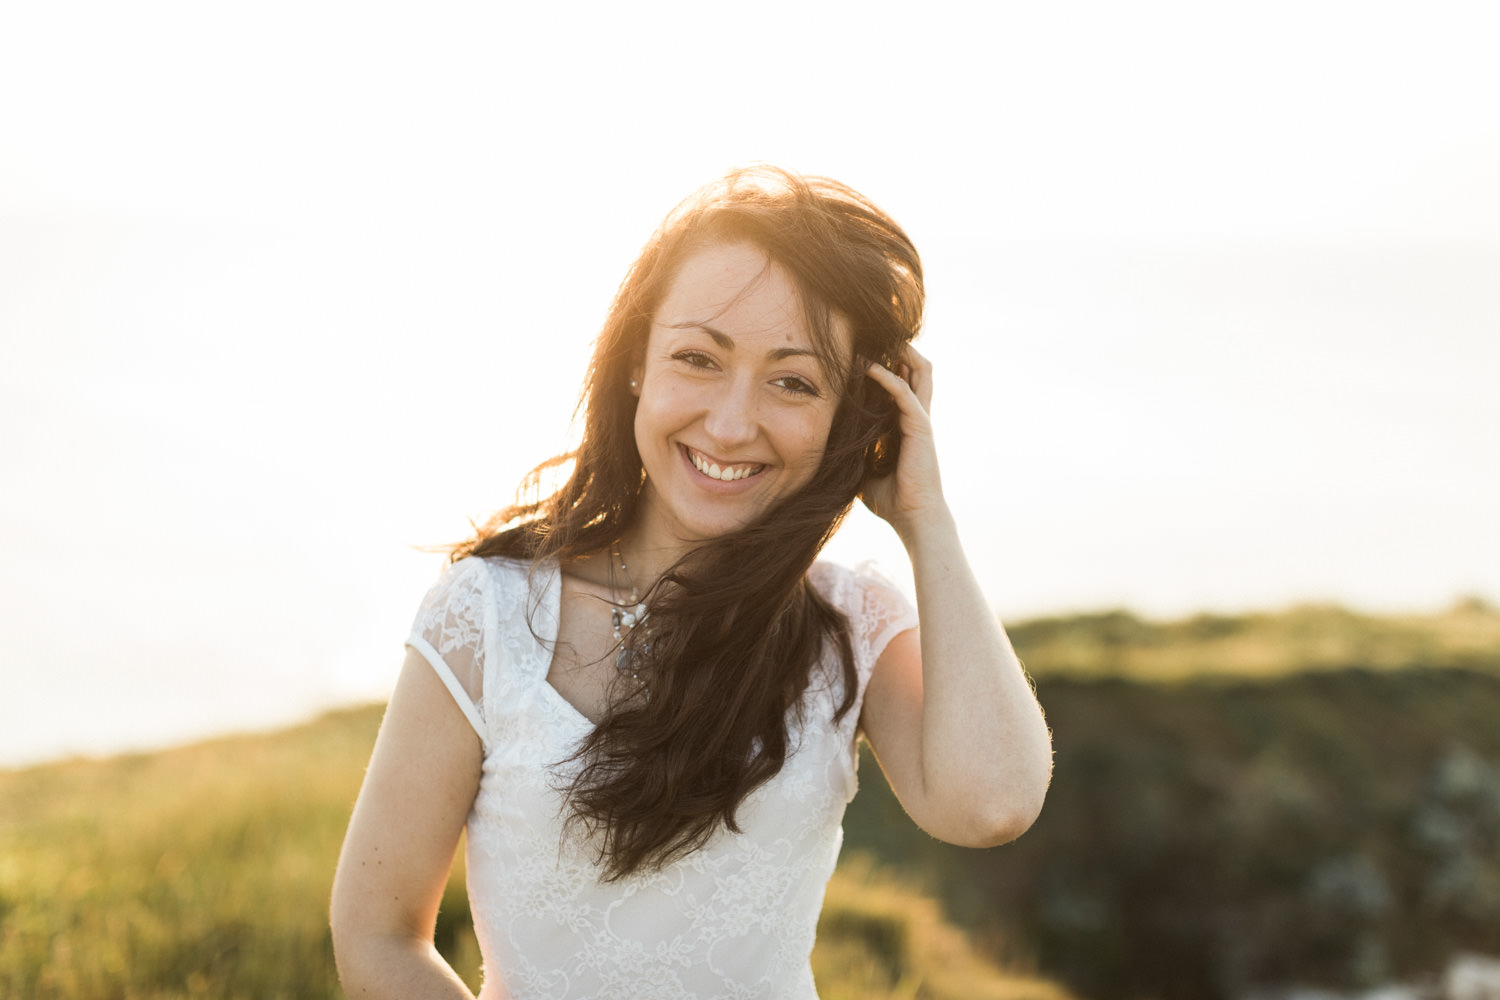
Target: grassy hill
column 1310, row 796
column 1306, row 797
column 1302, row 639
column 204, row 872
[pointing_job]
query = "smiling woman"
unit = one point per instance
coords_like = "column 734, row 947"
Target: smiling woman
column 733, row 416
column 641, row 694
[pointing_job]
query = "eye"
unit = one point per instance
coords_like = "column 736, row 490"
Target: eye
column 797, row 385
column 694, row 359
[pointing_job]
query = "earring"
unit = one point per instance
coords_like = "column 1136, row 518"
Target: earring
column 634, row 384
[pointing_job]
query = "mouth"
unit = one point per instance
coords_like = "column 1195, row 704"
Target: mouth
column 723, row 472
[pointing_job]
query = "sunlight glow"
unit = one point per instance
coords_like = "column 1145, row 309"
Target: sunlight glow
column 287, row 293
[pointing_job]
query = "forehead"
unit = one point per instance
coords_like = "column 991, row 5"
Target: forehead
column 736, row 289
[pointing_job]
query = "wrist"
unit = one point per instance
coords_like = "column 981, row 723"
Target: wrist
column 921, row 528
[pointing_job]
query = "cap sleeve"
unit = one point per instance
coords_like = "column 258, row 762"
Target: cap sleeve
column 882, row 613
column 877, row 611
column 449, row 632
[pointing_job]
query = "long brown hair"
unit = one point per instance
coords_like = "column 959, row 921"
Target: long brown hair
column 734, row 628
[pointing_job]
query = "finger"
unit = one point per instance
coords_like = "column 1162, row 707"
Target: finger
column 912, row 356
column 902, row 391
column 918, row 374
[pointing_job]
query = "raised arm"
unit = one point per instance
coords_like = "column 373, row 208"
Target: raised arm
column 422, row 779
column 949, row 711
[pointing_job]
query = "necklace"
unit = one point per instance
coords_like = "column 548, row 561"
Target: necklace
column 625, row 617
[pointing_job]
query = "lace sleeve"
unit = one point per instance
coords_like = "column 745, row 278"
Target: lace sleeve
column 879, row 613
column 876, row 609
column 449, row 633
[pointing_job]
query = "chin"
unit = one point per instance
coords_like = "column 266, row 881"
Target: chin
column 710, row 529
column 700, row 526
column 686, row 516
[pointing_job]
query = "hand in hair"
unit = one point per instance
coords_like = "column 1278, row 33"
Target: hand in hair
column 949, row 710
column 914, row 490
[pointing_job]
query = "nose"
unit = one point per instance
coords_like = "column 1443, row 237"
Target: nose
column 731, row 420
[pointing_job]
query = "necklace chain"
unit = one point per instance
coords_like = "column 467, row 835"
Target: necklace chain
column 626, row 617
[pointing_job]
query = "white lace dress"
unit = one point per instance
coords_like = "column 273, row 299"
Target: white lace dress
column 734, row 919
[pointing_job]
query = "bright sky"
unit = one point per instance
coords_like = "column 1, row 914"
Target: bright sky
column 288, row 289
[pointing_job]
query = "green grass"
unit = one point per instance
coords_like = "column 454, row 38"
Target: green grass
column 1311, row 795
column 1207, row 838
column 1302, row 639
column 195, row 872
column 881, row 939
column 205, row 871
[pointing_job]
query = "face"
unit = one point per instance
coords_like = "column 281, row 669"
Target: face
column 735, row 407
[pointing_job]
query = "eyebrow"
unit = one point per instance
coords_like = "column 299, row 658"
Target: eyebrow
column 725, row 341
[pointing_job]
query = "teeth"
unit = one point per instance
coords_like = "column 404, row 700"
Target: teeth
column 726, row 474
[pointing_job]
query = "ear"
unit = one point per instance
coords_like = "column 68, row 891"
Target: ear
column 637, row 374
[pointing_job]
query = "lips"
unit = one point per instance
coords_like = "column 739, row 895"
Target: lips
column 723, row 472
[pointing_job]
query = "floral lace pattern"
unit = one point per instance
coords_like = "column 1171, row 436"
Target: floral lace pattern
column 734, row 919
column 451, row 622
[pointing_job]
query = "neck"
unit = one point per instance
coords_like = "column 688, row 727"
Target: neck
column 649, row 558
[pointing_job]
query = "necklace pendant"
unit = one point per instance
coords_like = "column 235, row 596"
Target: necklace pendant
column 624, row 661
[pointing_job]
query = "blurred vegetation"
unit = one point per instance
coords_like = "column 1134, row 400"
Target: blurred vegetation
column 195, row 872
column 1312, row 637
column 880, row 939
column 205, row 871
column 1311, row 797
column 1306, row 797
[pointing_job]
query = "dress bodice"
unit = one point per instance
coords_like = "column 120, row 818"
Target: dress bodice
column 733, row 919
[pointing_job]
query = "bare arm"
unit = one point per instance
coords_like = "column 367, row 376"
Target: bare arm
column 417, row 792
column 949, row 711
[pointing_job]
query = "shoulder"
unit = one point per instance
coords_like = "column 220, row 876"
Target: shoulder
column 854, row 591
column 477, row 607
column 466, row 586
column 834, row 581
column 876, row 608
column 483, row 571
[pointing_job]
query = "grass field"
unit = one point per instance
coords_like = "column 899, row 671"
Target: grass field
column 204, row 872
column 1304, row 639
column 1229, row 792
column 1238, row 804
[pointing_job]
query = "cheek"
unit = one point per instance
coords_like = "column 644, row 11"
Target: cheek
column 648, row 438
column 661, row 412
column 806, row 440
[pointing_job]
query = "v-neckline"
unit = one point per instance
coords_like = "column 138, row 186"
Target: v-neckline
column 544, row 642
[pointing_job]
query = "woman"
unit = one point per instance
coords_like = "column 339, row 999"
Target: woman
column 641, row 694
